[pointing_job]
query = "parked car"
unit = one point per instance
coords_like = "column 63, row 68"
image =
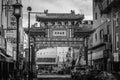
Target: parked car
column 105, row 76
column 61, row 71
column 77, row 72
column 92, row 74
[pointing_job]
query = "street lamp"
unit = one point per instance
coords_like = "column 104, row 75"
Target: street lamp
column 29, row 10
column 17, row 10
column 17, row 13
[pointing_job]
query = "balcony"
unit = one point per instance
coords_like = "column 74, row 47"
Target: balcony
column 107, row 5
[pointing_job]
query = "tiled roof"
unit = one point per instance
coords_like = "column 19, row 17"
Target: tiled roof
column 59, row 16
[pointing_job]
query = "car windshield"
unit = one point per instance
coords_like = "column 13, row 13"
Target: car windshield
column 78, row 68
column 82, row 68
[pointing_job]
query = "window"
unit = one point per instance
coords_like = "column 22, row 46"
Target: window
column 72, row 23
column 95, row 16
column 116, row 41
column 69, row 22
column 96, row 36
column 53, row 23
column 46, row 23
column 91, row 22
column 101, row 33
column 116, row 20
column 108, row 29
column 59, row 23
column 66, row 23
column 62, row 23
column 85, row 22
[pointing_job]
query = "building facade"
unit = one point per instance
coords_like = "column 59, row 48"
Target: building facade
column 105, row 50
column 7, row 37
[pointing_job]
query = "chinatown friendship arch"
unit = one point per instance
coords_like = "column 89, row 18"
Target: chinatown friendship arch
column 59, row 30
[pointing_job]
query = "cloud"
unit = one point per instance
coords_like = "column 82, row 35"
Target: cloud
column 59, row 6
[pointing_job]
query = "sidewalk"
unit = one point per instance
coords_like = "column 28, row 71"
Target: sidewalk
column 116, row 74
column 28, row 79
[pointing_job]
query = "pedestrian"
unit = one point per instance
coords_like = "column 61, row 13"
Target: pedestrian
column 25, row 74
column 15, row 74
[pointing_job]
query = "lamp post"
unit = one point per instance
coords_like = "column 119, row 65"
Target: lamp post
column 17, row 13
column 29, row 10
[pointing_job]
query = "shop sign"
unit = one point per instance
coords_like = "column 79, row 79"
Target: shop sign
column 59, row 33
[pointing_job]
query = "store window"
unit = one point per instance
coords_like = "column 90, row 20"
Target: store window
column 66, row 23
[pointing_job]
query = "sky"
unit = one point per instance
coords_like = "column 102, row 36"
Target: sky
column 57, row 6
